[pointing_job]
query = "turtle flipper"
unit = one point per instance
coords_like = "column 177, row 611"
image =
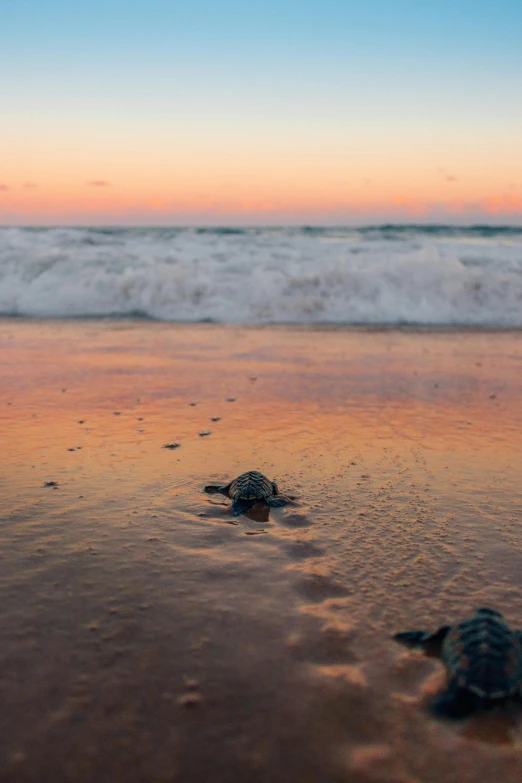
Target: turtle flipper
column 242, row 506
column 431, row 642
column 277, row 501
column 212, row 489
column 455, row 702
column 411, row 638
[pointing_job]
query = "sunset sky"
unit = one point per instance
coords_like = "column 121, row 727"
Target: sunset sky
column 225, row 112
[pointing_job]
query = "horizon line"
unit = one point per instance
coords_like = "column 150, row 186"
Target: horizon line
column 244, row 226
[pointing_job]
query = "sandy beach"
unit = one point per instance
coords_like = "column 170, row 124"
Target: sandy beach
column 148, row 636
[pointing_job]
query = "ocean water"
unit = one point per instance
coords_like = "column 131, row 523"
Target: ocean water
column 432, row 275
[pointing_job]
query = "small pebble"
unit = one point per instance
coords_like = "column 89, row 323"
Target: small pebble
column 205, row 432
column 172, row 445
column 50, row 483
column 231, row 399
column 117, row 413
column 81, row 421
column 190, row 700
column 215, row 418
column 192, row 403
column 71, row 449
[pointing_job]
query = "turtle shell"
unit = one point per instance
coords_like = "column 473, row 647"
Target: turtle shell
column 251, row 486
column 484, row 655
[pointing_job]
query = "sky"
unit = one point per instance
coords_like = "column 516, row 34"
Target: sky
column 233, row 112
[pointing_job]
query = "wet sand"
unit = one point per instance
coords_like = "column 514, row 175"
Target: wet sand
column 146, row 635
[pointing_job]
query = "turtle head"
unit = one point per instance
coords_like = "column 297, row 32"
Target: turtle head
column 484, row 611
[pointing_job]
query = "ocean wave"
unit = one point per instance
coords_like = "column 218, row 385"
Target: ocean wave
column 433, row 275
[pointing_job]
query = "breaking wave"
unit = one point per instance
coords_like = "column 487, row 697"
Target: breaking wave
column 431, row 275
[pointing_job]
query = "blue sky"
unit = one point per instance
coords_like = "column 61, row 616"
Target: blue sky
column 325, row 78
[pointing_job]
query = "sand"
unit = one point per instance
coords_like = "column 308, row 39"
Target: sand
column 146, row 635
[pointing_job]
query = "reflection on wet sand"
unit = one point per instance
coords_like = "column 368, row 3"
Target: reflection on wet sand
column 147, row 635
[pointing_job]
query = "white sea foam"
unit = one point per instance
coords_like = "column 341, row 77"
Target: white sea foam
column 380, row 275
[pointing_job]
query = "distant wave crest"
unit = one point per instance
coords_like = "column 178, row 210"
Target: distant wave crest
column 380, row 275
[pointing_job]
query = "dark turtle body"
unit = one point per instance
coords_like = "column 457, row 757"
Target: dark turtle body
column 248, row 489
column 483, row 659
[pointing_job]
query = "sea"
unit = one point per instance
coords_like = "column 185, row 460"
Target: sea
column 388, row 274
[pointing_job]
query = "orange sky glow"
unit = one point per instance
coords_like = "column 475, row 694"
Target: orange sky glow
column 182, row 114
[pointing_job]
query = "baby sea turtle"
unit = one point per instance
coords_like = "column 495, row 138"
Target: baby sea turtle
column 483, row 659
column 247, row 490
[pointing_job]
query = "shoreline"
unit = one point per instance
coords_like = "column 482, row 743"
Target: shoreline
column 281, row 325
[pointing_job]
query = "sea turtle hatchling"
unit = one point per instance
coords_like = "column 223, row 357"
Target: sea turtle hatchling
column 248, row 489
column 483, row 659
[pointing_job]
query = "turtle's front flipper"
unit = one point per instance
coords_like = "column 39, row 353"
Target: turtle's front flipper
column 241, row 506
column 277, row 501
column 212, row 489
column 431, row 642
column 455, row 702
column 411, row 638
